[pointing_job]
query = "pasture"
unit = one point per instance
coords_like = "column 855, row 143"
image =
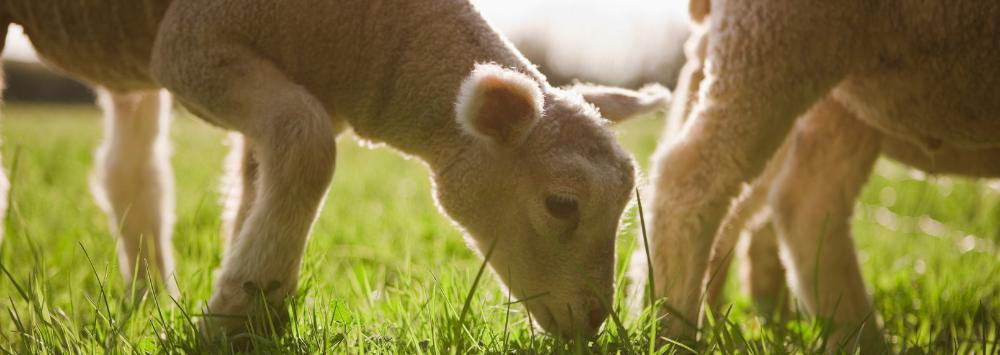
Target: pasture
column 386, row 273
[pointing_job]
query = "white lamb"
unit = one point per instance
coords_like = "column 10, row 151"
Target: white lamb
column 844, row 81
column 522, row 166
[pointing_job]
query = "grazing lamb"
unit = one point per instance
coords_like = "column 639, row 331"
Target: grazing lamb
column 530, row 172
column 838, row 83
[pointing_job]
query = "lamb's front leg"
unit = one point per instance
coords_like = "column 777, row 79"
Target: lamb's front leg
column 134, row 184
column 756, row 83
column 293, row 146
column 750, row 216
column 296, row 156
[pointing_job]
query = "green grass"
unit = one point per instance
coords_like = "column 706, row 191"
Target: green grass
column 385, row 272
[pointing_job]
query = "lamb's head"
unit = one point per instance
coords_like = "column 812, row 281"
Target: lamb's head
column 542, row 183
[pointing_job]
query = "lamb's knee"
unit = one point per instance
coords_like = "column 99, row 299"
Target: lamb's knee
column 131, row 119
column 786, row 204
column 295, row 145
column 805, row 202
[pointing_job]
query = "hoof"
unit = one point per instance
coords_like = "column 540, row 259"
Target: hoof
column 236, row 315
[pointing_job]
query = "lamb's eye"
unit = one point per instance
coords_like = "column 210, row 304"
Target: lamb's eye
column 561, row 207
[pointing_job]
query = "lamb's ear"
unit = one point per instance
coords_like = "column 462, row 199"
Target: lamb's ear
column 617, row 104
column 498, row 105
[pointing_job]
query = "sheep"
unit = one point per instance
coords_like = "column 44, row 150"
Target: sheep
column 531, row 173
column 800, row 99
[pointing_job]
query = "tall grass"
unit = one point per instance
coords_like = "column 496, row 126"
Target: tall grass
column 385, row 273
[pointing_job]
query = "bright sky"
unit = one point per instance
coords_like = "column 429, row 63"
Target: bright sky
column 18, row 47
column 609, row 41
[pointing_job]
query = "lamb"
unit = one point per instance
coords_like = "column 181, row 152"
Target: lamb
column 530, row 172
column 803, row 97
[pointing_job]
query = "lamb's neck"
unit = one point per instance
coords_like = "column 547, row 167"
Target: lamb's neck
column 413, row 107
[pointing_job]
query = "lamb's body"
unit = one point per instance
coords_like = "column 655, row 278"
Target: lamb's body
column 290, row 75
column 917, row 81
column 928, row 74
column 74, row 35
column 371, row 54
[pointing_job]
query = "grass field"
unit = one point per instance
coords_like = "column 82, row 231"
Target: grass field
column 386, row 273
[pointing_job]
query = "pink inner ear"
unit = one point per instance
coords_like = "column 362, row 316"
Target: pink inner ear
column 505, row 111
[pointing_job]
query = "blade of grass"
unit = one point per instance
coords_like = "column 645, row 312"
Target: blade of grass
column 475, row 286
column 13, row 181
column 20, row 291
column 650, row 282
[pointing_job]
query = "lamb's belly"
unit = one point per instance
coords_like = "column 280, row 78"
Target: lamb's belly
column 957, row 102
column 107, row 43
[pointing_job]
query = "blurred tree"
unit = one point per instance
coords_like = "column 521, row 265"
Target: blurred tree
column 32, row 82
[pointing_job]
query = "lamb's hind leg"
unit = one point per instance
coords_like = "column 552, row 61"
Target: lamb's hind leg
column 812, row 201
column 293, row 145
column 133, row 182
column 761, row 272
column 4, row 182
column 4, row 189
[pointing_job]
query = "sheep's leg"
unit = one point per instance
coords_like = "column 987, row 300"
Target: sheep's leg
column 4, row 189
column 756, row 83
column 293, row 146
column 688, row 82
column 4, row 182
column 240, row 186
column 748, row 206
column 762, row 274
column 295, row 151
column 813, row 200
column 684, row 98
column 725, row 248
column 133, row 182
column 749, row 214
